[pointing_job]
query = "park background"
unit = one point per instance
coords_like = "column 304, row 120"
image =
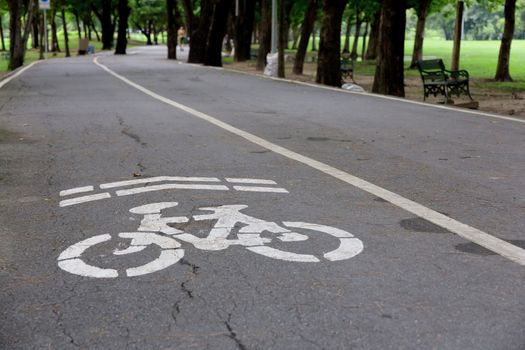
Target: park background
column 482, row 32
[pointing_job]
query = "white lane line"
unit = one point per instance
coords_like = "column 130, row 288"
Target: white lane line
column 158, row 179
column 251, row 181
column 260, row 189
column 171, row 187
column 76, row 190
column 8, row 79
column 84, row 199
column 472, row 234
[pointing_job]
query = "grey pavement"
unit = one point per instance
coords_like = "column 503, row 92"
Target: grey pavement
column 67, row 124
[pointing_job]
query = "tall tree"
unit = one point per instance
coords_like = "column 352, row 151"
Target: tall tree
column 329, row 58
column 217, row 31
column 172, row 25
column 123, row 15
column 103, row 9
column 389, row 76
column 64, row 29
column 306, row 32
column 282, row 39
column 17, row 36
column 422, row 9
column 199, row 36
column 265, row 37
column 54, row 35
column 373, row 41
column 243, row 24
column 503, row 71
column 2, row 32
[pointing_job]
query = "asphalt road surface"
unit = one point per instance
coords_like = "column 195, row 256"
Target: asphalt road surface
column 147, row 204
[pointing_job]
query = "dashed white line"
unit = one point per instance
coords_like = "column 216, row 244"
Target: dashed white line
column 158, row 179
column 260, row 189
column 472, row 234
column 84, row 199
column 171, row 187
column 251, row 181
column 76, row 190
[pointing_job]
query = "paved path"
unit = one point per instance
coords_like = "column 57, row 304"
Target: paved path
column 326, row 199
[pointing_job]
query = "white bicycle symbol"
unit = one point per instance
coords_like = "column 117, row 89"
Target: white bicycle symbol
column 157, row 230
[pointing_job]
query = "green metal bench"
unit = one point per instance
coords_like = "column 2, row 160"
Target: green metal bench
column 438, row 80
column 347, row 68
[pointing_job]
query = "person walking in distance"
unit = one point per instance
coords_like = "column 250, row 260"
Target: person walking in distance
column 181, row 34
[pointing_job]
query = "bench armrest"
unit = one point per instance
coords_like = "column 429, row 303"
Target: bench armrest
column 431, row 76
column 457, row 74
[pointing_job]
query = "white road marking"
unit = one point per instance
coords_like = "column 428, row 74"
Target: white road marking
column 70, row 260
column 350, row 246
column 470, row 233
column 171, row 187
column 76, row 190
column 8, row 79
column 251, row 181
column 158, row 179
column 282, row 255
column 260, row 189
column 84, row 199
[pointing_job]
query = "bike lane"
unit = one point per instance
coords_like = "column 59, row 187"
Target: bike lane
column 402, row 289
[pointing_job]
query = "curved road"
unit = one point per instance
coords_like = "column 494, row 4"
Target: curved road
column 272, row 215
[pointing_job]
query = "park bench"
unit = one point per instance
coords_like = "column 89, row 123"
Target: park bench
column 438, row 80
column 6, row 55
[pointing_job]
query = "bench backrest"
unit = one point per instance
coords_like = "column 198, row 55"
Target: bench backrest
column 431, row 65
column 431, row 69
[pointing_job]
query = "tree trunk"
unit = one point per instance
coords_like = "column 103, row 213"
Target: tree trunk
column 422, row 12
column 353, row 54
column 296, row 37
column 77, row 21
column 265, row 36
column 41, row 43
column 94, row 28
column 503, row 71
column 328, row 66
column 54, row 36
column 314, row 41
column 243, row 30
column 35, row 25
column 189, row 18
column 363, row 48
column 213, row 55
column 18, row 39
column 389, row 76
column 346, row 47
column 282, row 39
column 123, row 15
column 108, row 27
column 306, row 32
column 2, row 34
column 199, row 36
column 64, row 28
column 454, row 65
column 172, row 26
column 373, row 41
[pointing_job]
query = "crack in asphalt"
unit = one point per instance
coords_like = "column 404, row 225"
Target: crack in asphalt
column 232, row 335
column 175, row 309
column 126, row 130
column 63, row 329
